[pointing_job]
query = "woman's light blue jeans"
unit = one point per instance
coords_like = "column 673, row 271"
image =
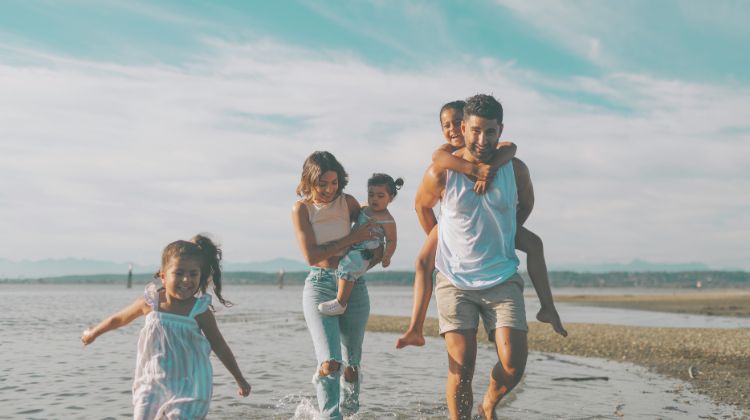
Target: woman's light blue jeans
column 337, row 338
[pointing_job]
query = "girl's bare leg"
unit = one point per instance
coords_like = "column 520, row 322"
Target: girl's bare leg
column 425, row 265
column 528, row 242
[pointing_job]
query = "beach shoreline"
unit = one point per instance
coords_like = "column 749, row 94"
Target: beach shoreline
column 712, row 303
column 716, row 362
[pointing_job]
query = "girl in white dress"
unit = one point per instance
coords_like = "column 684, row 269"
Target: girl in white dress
column 173, row 374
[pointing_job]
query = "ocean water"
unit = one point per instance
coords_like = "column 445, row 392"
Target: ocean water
column 45, row 372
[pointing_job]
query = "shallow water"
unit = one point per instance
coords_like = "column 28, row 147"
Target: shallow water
column 45, row 372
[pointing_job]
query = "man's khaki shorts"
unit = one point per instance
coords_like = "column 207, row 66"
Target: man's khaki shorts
column 499, row 306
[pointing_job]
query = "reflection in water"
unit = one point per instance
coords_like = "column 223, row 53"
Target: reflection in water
column 46, row 373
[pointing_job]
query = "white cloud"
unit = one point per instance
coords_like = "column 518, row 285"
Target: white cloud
column 112, row 162
column 577, row 28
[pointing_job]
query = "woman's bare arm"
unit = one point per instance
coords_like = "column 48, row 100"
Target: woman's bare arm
column 314, row 253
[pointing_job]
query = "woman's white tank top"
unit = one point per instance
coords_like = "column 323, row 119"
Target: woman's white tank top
column 330, row 221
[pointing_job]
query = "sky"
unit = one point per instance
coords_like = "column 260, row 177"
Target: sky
column 125, row 125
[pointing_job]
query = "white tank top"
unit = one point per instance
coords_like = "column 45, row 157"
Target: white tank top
column 330, row 221
column 477, row 233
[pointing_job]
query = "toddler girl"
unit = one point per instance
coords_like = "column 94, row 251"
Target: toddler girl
column 381, row 190
column 173, row 374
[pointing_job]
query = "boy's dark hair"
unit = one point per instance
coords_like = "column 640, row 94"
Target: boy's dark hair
column 208, row 252
column 316, row 165
column 455, row 105
column 484, row 106
column 383, row 179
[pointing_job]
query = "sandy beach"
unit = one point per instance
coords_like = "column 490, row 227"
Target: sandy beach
column 715, row 361
column 723, row 303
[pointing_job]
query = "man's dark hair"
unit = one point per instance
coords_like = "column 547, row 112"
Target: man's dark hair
column 484, row 106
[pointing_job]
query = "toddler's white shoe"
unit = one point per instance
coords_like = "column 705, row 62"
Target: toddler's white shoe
column 331, row 308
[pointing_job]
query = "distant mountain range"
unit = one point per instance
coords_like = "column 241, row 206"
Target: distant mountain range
column 77, row 266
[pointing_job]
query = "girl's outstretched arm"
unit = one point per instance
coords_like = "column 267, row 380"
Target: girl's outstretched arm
column 120, row 319
column 207, row 323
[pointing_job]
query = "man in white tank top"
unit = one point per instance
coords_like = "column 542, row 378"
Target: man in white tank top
column 477, row 262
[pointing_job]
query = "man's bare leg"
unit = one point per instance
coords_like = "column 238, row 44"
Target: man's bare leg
column 512, row 352
column 462, row 354
column 528, row 242
column 351, row 374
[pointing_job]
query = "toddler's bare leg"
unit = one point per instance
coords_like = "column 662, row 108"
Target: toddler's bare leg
column 344, row 291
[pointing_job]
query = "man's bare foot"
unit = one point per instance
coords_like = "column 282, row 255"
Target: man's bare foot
column 550, row 316
column 410, row 338
column 486, row 411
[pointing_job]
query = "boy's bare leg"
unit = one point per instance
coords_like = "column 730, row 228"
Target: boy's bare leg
column 512, row 352
column 414, row 335
column 344, row 291
column 462, row 354
column 528, row 242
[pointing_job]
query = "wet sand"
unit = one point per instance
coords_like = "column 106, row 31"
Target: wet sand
column 724, row 303
column 719, row 359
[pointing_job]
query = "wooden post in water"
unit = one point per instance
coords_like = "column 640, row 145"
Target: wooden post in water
column 130, row 276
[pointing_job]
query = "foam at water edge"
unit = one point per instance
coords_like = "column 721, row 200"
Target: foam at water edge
column 306, row 410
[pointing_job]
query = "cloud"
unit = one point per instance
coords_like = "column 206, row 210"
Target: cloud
column 111, row 162
column 692, row 39
column 578, row 29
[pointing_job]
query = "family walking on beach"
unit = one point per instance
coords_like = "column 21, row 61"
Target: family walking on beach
column 485, row 196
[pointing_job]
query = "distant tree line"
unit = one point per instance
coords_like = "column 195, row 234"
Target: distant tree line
column 685, row 279
column 680, row 279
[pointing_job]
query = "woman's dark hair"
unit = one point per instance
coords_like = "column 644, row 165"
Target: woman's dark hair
column 455, row 105
column 314, row 167
column 383, row 179
column 208, row 252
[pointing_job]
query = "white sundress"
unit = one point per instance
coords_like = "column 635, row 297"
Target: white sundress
column 173, row 374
